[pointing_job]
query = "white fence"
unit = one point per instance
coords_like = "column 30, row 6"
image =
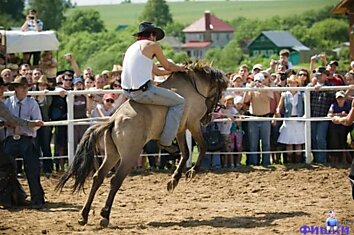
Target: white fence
column 70, row 122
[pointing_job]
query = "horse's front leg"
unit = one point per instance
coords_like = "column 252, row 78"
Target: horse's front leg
column 177, row 174
column 199, row 139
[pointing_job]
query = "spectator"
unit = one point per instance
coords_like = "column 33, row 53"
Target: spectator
column 20, row 140
column 44, row 134
column 237, row 81
column 349, row 81
column 106, row 108
column 11, row 192
column 80, row 110
column 36, row 74
column 237, row 132
column 256, row 69
column 58, row 111
column 244, row 72
column 320, row 103
column 6, row 75
column 292, row 133
column 259, row 130
column 337, row 133
column 229, row 113
column 48, row 64
column 116, row 73
column 24, row 68
column 32, row 23
column 332, row 79
column 304, row 77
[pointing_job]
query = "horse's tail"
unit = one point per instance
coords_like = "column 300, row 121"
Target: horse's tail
column 83, row 163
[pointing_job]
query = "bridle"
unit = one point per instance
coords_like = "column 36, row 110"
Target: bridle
column 212, row 101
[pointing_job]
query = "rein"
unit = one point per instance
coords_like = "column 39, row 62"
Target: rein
column 214, row 99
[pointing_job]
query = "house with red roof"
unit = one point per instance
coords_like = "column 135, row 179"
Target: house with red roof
column 207, row 32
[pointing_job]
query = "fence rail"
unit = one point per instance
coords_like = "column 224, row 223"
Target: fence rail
column 70, row 122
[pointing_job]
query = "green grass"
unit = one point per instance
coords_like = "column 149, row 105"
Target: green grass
column 188, row 12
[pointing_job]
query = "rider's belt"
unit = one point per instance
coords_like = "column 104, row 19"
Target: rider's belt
column 144, row 87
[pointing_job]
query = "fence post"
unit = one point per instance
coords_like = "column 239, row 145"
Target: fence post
column 307, row 115
column 70, row 105
column 189, row 144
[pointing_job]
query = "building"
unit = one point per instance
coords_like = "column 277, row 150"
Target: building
column 207, row 32
column 268, row 43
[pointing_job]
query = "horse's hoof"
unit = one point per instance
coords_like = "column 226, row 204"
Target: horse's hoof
column 82, row 221
column 190, row 174
column 104, row 223
column 171, row 185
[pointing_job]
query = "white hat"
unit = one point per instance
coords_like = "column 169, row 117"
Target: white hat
column 352, row 64
column 258, row 77
column 238, row 99
column 257, row 66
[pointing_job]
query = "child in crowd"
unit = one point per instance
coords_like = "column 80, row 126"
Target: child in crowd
column 228, row 112
column 337, row 133
column 237, row 132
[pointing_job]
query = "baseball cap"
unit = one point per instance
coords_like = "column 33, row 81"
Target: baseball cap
column 333, row 62
column 257, row 66
column 321, row 70
column 108, row 96
column 340, row 94
column 77, row 80
column 258, row 77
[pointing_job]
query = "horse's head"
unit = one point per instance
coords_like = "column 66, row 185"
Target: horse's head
column 217, row 83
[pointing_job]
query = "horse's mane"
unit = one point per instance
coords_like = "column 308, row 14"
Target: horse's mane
column 202, row 67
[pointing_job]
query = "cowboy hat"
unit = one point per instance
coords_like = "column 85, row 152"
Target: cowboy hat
column 20, row 80
column 43, row 79
column 117, row 68
column 150, row 27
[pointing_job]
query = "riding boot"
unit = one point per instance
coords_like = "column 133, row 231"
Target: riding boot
column 171, row 149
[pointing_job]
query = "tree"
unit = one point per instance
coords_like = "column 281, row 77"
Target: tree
column 157, row 12
column 83, row 20
column 13, row 8
column 50, row 12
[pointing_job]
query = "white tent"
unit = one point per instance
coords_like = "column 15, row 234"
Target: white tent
column 18, row 41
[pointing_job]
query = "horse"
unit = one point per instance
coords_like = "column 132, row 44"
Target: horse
column 134, row 124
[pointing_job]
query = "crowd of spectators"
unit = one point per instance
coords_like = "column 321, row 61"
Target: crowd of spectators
column 257, row 139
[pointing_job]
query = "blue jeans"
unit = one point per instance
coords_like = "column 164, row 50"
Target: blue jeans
column 165, row 97
column 43, row 139
column 211, row 161
column 25, row 148
column 257, row 131
column 319, row 140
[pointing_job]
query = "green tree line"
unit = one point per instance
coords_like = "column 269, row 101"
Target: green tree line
column 83, row 33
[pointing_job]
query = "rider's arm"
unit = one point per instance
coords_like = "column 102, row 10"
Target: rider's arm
column 170, row 66
column 160, row 72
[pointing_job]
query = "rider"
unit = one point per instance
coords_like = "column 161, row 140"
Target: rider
column 138, row 71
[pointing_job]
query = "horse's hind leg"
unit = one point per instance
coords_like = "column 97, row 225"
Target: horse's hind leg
column 182, row 143
column 127, row 161
column 109, row 161
column 198, row 137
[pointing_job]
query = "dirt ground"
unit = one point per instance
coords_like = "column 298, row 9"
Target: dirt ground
column 248, row 201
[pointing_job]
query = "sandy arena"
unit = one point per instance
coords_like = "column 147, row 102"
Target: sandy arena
column 250, row 201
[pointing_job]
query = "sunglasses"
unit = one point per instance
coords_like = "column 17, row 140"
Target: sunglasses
column 116, row 85
column 110, row 101
column 68, row 80
column 302, row 74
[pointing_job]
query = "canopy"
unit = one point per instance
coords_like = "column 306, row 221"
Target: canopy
column 18, row 41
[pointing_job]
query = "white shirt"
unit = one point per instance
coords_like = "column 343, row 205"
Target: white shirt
column 137, row 68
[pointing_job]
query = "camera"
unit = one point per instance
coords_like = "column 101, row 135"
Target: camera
column 283, row 76
column 317, row 57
